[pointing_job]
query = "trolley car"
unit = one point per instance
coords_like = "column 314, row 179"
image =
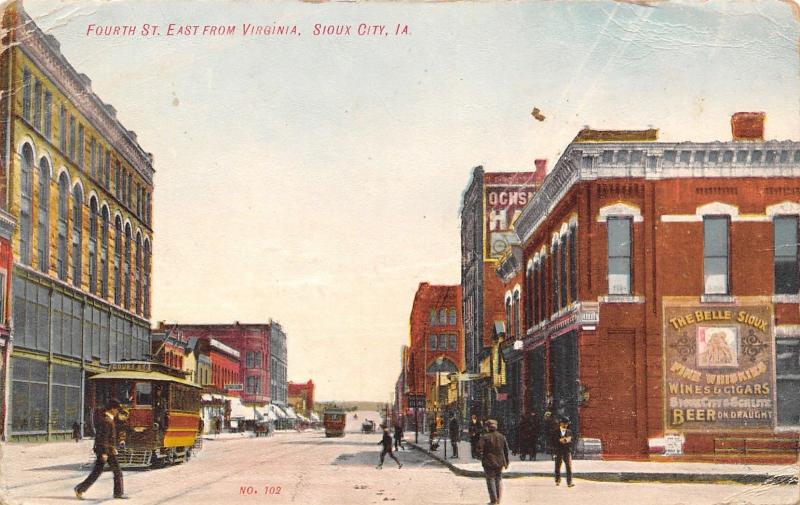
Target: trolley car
column 163, row 410
column 334, row 420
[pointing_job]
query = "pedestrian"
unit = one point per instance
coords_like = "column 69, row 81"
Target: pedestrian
column 433, row 446
column 551, row 433
column 455, row 435
column 564, row 451
column 105, row 448
column 398, row 436
column 475, row 431
column 527, row 434
column 493, row 451
column 217, row 425
column 386, row 441
column 76, row 431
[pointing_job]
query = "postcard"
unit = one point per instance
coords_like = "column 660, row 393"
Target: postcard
column 268, row 252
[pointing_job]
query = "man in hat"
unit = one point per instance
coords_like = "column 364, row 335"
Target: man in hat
column 475, row 432
column 551, row 432
column 386, row 441
column 105, row 448
column 563, row 451
column 493, row 451
column 454, row 430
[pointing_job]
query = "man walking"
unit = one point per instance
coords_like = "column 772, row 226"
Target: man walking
column 455, row 435
column 551, row 433
column 398, row 436
column 493, row 451
column 386, row 441
column 475, row 432
column 105, row 448
column 563, row 451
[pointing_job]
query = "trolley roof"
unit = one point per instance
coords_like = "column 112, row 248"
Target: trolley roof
column 144, row 370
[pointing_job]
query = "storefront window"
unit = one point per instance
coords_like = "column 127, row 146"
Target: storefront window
column 29, row 395
column 788, row 381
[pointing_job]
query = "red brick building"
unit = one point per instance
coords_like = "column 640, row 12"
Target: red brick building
column 490, row 207
column 662, row 292
column 225, row 367
column 252, row 342
column 304, row 392
column 436, row 339
column 6, row 263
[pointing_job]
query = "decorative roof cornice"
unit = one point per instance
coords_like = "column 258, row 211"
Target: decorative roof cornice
column 45, row 51
column 7, row 224
column 583, row 161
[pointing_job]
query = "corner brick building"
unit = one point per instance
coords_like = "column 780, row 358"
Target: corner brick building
column 662, row 294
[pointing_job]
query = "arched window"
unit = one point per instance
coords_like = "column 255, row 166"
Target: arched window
column 93, row 215
column 104, row 224
column 573, row 265
column 26, row 204
column 442, row 316
column 43, row 220
column 453, row 316
column 517, row 316
column 127, row 265
column 146, row 278
column 77, row 235
column 138, row 273
column 117, row 260
column 542, row 290
column 509, row 322
column 63, row 211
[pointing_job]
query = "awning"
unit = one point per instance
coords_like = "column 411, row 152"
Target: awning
column 279, row 413
column 207, row 397
column 268, row 414
column 240, row 411
column 290, row 413
column 314, row 417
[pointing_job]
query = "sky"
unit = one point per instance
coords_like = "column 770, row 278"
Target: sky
column 316, row 180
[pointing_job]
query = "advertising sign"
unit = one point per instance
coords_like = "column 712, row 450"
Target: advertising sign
column 503, row 203
column 718, row 368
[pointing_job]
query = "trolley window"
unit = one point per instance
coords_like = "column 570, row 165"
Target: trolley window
column 144, row 393
column 122, row 392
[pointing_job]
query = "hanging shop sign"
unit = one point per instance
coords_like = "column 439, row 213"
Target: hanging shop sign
column 719, row 370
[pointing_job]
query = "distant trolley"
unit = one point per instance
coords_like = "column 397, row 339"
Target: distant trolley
column 163, row 410
column 334, row 420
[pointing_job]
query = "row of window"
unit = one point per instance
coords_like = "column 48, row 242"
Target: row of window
column 220, row 376
column 253, row 359
column 70, row 242
column 716, row 255
column 253, row 385
column 443, row 317
column 770, row 157
column 442, row 342
column 37, row 105
column 173, row 360
column 556, row 272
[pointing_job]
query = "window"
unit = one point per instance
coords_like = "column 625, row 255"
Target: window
column 72, row 137
column 685, row 156
column 26, row 94
column 442, row 342
column 117, row 260
column 37, row 104
column 741, row 156
column 253, row 385
column 619, row 255
column 587, row 162
column 517, row 316
column 453, row 318
column 787, row 271
column 118, row 181
column 443, row 316
column 43, row 222
column 144, row 393
column 608, row 156
column 127, row 266
column 104, row 224
column 81, row 149
column 453, row 342
column 699, row 156
column 63, row 209
column 62, row 125
column 107, row 171
column 713, row 156
column 772, row 157
column 26, row 190
column 563, row 281
column 48, row 115
column 432, row 342
column 138, row 274
column 542, row 290
column 146, row 288
column 756, row 157
column 715, row 255
column 77, row 235
column 554, row 280
column 509, row 322
column 433, row 318
column 573, row 265
column 787, row 371
column 669, row 156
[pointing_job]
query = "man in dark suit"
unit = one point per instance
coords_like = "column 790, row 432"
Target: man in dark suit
column 386, row 442
column 563, row 451
column 454, row 430
column 493, row 451
column 105, row 448
column 475, row 432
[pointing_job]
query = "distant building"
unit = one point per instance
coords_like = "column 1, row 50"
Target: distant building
column 278, row 363
column 301, row 397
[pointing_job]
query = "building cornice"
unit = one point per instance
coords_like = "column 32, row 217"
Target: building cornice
column 7, row 224
column 587, row 162
column 44, row 50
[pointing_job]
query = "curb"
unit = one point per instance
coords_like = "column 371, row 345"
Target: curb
column 669, row 478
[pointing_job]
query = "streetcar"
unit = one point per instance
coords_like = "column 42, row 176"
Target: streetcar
column 334, row 420
column 162, row 408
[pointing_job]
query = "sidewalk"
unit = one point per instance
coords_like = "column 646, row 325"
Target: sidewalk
column 614, row 471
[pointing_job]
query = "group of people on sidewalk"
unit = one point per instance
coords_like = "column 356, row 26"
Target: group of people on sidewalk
column 491, row 447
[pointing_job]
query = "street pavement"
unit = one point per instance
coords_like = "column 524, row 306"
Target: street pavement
column 307, row 468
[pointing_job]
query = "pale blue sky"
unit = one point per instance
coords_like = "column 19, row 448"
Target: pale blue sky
column 316, row 180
